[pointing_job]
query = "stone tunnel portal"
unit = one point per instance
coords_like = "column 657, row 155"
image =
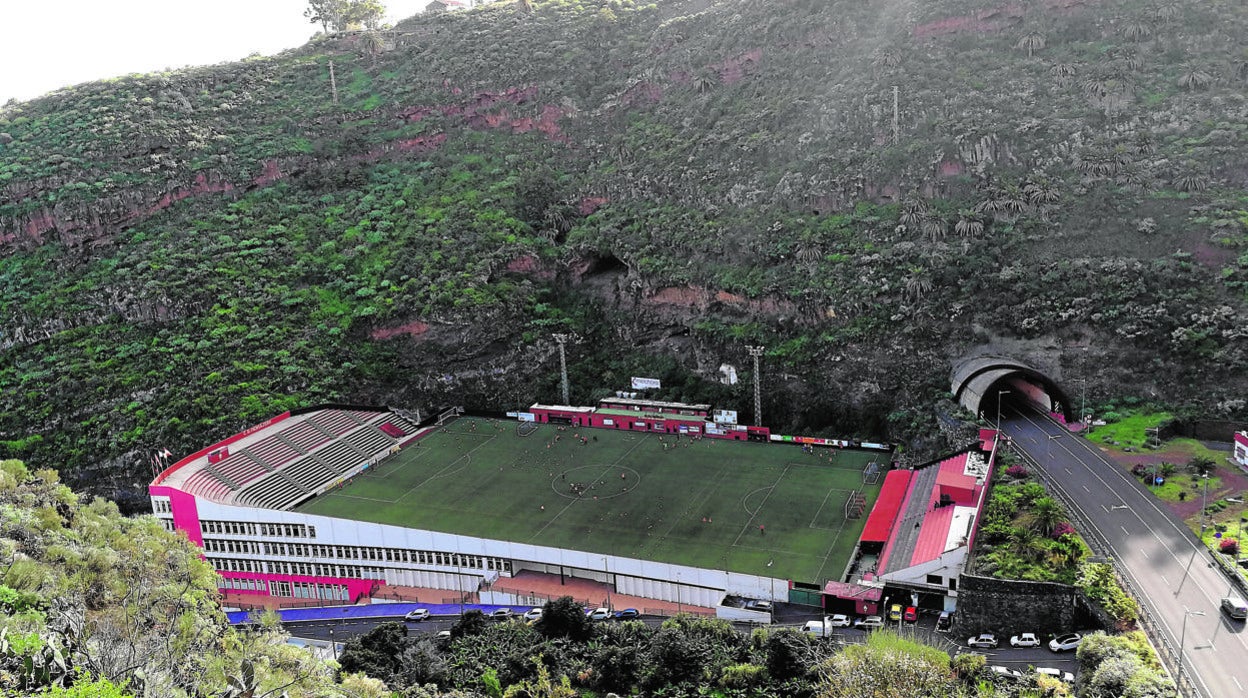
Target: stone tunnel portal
column 983, row 383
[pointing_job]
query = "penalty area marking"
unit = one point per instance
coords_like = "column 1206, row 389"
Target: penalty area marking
column 819, row 511
column 746, row 497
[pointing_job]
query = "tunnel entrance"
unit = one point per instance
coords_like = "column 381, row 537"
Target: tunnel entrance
column 981, row 384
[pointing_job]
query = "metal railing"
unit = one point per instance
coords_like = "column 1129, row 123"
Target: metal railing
column 1165, row 650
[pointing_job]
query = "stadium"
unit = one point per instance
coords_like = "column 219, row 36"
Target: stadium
column 653, row 499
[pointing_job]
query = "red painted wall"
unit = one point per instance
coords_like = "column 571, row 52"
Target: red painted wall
column 185, row 511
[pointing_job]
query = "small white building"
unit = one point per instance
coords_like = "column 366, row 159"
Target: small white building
column 1241, row 450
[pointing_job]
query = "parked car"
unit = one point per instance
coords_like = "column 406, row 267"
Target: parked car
column 533, row 614
column 983, row 640
column 814, row 627
column 839, row 620
column 944, row 621
column 417, row 615
column 627, row 614
column 911, row 615
column 501, row 614
column 894, row 613
column 1234, row 607
column 1064, row 643
column 600, row 614
column 760, row 606
column 1025, row 640
column 1056, row 673
column 442, row 636
column 1005, row 671
column 869, row 623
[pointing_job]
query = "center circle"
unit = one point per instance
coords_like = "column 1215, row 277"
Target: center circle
column 595, row 481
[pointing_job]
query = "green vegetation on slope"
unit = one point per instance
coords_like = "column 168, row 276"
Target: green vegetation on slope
column 184, row 253
column 96, row 604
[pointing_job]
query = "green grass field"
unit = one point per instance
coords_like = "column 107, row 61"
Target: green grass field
column 624, row 494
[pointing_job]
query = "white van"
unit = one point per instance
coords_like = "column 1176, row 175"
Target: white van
column 1235, row 607
column 814, row 627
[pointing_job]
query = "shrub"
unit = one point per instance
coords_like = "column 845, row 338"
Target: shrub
column 1062, row 529
column 1139, row 470
column 967, row 666
column 1229, row 546
column 1018, row 472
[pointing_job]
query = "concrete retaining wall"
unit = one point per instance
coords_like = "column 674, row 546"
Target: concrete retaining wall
column 1008, row 607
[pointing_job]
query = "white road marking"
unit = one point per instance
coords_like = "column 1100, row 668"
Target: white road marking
column 1149, row 501
column 1085, row 489
column 1145, row 552
column 1124, row 530
column 1237, row 683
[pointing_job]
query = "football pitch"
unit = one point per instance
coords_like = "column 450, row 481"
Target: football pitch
column 765, row 509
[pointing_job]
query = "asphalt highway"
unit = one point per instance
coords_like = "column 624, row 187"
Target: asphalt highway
column 1173, row 574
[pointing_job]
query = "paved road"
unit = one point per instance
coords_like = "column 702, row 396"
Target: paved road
column 1170, row 569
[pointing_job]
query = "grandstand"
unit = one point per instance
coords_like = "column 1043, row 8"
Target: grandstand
column 288, row 459
column 329, row 502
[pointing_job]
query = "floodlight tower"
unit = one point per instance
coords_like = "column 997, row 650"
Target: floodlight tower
column 757, row 351
column 562, row 339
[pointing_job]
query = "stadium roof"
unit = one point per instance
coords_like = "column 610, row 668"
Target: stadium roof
column 656, row 404
column 288, row 458
column 938, row 512
column 884, row 513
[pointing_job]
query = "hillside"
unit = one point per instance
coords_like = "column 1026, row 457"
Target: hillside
column 186, row 253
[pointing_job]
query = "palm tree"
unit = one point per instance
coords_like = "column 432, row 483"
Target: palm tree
column 1195, row 79
column 886, row 60
column 934, row 228
column 1166, row 11
column 1239, row 69
column 703, row 82
column 917, row 284
column 1137, row 31
column 912, row 212
column 1191, row 182
column 1047, row 514
column 1041, row 193
column 1062, row 70
column 809, row 252
column 1031, row 43
column 968, row 225
column 1129, row 58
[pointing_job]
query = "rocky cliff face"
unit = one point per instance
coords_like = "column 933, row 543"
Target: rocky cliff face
column 868, row 189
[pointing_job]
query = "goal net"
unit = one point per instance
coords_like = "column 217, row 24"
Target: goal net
column 526, row 428
column 871, row 473
column 855, row 505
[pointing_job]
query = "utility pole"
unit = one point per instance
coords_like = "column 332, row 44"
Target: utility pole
column 1204, row 504
column 896, row 118
column 1083, row 401
column 562, row 339
column 757, row 351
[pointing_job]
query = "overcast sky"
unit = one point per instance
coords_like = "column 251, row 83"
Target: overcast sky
column 49, row 44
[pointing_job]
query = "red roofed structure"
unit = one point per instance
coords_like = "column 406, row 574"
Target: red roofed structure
column 884, row 513
column 918, row 535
